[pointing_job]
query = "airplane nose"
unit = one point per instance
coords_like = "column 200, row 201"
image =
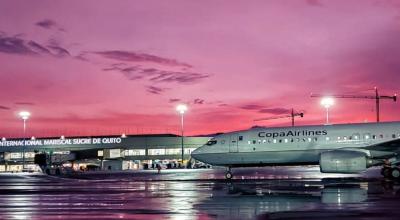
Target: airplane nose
column 196, row 154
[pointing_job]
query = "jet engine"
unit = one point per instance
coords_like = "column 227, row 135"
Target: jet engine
column 343, row 161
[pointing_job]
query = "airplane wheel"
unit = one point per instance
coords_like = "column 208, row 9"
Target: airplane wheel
column 228, row 175
column 386, row 172
column 395, row 173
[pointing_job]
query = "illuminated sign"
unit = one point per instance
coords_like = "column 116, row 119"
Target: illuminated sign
column 56, row 142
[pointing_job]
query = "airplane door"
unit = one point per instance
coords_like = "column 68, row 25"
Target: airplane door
column 233, row 144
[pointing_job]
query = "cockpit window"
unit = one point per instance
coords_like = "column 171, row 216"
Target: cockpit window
column 211, row 142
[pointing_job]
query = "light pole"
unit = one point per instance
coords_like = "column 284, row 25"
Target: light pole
column 327, row 102
column 182, row 109
column 24, row 115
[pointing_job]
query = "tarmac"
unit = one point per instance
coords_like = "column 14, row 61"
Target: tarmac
column 254, row 193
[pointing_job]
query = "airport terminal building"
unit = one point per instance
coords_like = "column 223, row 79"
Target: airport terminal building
column 100, row 153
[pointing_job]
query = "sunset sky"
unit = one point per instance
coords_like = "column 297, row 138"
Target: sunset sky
column 108, row 67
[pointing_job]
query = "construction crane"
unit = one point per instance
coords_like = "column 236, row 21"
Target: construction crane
column 377, row 98
column 292, row 115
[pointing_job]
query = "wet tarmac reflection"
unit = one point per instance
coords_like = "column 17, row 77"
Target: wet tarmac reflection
column 316, row 199
column 171, row 197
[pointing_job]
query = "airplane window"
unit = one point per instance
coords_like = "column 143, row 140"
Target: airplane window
column 309, row 139
column 292, row 140
column 264, row 141
column 269, row 140
column 393, row 136
column 298, row 139
column 366, row 136
column 327, row 138
column 211, row 142
column 338, row 138
column 350, row 137
column 286, row 140
column 274, row 141
column 356, row 137
column 381, row 136
column 373, row 136
column 254, row 141
column 304, row 140
column 344, row 138
column 248, row 142
column 315, row 139
column 240, row 138
column 280, row 140
column 259, row 141
column 223, row 142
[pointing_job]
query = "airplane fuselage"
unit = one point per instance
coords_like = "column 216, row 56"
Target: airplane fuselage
column 296, row 145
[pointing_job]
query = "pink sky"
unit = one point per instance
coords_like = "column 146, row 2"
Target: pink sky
column 107, row 67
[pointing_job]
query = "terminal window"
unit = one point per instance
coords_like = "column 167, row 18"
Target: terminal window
column 173, row 151
column 138, row 152
column 18, row 155
column 156, row 151
column 189, row 150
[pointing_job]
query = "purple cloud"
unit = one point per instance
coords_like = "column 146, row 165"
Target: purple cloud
column 37, row 48
column 24, row 103
column 46, row 23
column 156, row 75
column 128, row 56
column 198, row 101
column 264, row 109
column 2, row 107
column 252, row 107
column 275, row 111
column 82, row 56
column 179, row 77
column 174, row 100
column 59, row 51
column 49, row 24
column 155, row 90
column 16, row 45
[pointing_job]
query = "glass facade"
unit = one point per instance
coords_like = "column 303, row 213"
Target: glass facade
column 138, row 152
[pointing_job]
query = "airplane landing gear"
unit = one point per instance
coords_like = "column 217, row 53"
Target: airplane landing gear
column 228, row 174
column 385, row 171
column 391, row 172
column 395, row 173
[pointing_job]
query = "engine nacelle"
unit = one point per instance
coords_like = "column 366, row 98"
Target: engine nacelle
column 343, row 161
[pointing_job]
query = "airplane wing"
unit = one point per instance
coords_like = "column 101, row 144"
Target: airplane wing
column 389, row 146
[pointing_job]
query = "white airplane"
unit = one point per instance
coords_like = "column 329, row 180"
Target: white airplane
column 341, row 148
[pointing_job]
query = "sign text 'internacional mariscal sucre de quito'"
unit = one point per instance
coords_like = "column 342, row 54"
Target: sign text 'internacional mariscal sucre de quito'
column 55, row 142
